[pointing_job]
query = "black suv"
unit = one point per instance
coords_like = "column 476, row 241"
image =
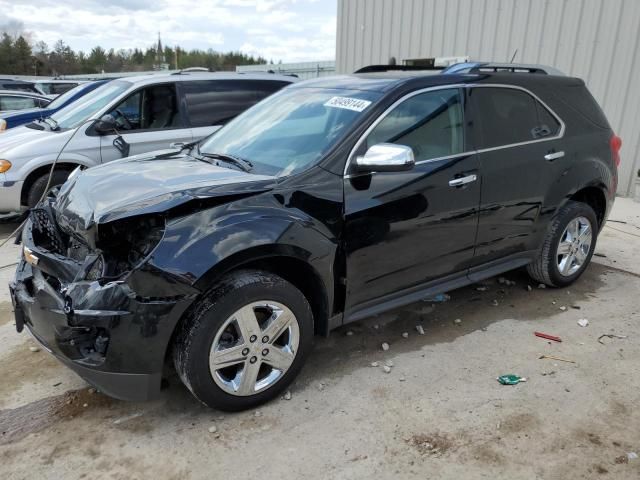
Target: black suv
column 333, row 200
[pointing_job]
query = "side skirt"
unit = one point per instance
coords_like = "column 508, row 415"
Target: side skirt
column 433, row 288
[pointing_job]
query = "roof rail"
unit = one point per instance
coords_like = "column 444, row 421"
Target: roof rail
column 192, row 70
column 394, row 68
column 480, row 67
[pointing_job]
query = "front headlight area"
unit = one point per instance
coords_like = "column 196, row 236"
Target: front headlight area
column 125, row 245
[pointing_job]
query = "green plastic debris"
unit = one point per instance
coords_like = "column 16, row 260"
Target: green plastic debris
column 510, row 379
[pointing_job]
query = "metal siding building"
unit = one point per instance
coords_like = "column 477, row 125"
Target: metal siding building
column 597, row 40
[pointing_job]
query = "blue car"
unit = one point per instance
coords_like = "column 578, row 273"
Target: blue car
column 22, row 117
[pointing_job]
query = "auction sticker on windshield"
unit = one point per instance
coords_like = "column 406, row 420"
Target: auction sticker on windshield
column 347, row 103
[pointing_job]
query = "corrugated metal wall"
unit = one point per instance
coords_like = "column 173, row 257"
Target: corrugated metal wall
column 597, row 40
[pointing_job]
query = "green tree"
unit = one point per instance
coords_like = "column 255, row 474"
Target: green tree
column 23, row 58
column 97, row 59
column 7, row 64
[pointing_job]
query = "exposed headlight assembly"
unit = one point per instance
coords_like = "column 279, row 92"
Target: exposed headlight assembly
column 126, row 243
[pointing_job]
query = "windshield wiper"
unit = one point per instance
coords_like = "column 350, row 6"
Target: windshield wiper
column 52, row 123
column 241, row 163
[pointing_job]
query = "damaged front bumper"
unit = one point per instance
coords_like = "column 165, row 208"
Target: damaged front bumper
column 110, row 333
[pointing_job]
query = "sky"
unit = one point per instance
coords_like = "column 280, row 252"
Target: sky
column 287, row 30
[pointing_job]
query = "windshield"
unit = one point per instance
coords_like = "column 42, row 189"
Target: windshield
column 60, row 100
column 290, row 130
column 86, row 107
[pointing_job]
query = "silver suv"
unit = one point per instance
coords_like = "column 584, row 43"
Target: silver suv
column 148, row 113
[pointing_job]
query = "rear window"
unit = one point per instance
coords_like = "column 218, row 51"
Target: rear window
column 215, row 102
column 507, row 116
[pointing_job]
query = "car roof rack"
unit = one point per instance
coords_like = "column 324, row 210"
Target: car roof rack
column 192, row 70
column 394, row 68
column 492, row 67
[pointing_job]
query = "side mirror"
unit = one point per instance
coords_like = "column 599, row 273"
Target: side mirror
column 106, row 125
column 386, row 157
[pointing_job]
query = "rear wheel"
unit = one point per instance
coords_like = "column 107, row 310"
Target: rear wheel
column 568, row 246
column 245, row 342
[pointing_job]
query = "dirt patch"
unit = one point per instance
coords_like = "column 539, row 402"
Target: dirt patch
column 17, row 423
column 430, row 444
column 6, row 313
column 21, row 366
column 519, row 423
column 487, row 454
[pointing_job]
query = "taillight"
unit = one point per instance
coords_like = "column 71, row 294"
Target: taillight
column 615, row 143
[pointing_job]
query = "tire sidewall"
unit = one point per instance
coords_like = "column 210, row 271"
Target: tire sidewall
column 216, row 309
column 574, row 211
column 37, row 187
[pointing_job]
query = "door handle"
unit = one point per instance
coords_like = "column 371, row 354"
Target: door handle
column 550, row 157
column 458, row 182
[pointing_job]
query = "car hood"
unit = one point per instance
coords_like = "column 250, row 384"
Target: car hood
column 151, row 183
column 24, row 141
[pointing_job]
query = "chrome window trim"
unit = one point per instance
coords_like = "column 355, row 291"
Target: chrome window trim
column 560, row 133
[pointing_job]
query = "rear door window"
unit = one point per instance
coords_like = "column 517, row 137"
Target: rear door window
column 506, row 116
column 215, row 102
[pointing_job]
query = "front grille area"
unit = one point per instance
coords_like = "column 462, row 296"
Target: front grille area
column 45, row 233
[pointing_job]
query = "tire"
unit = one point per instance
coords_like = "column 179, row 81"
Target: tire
column 214, row 326
column 36, row 190
column 548, row 268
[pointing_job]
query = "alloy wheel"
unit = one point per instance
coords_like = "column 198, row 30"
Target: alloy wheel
column 254, row 348
column 575, row 244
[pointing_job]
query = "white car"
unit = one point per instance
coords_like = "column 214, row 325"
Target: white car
column 148, row 113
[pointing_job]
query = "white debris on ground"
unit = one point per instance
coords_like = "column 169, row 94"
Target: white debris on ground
column 385, row 346
column 457, row 321
column 287, row 395
column 34, row 349
column 583, row 322
column 386, row 369
column 405, row 334
column 420, row 329
column 127, row 418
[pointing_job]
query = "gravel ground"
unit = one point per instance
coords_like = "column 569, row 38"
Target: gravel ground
column 438, row 413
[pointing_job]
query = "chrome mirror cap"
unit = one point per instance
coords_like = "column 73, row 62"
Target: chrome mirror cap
column 386, row 157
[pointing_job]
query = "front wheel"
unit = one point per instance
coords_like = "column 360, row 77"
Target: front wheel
column 568, row 246
column 36, row 191
column 245, row 342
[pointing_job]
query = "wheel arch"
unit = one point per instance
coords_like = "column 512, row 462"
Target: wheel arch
column 287, row 261
column 43, row 169
column 594, row 196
